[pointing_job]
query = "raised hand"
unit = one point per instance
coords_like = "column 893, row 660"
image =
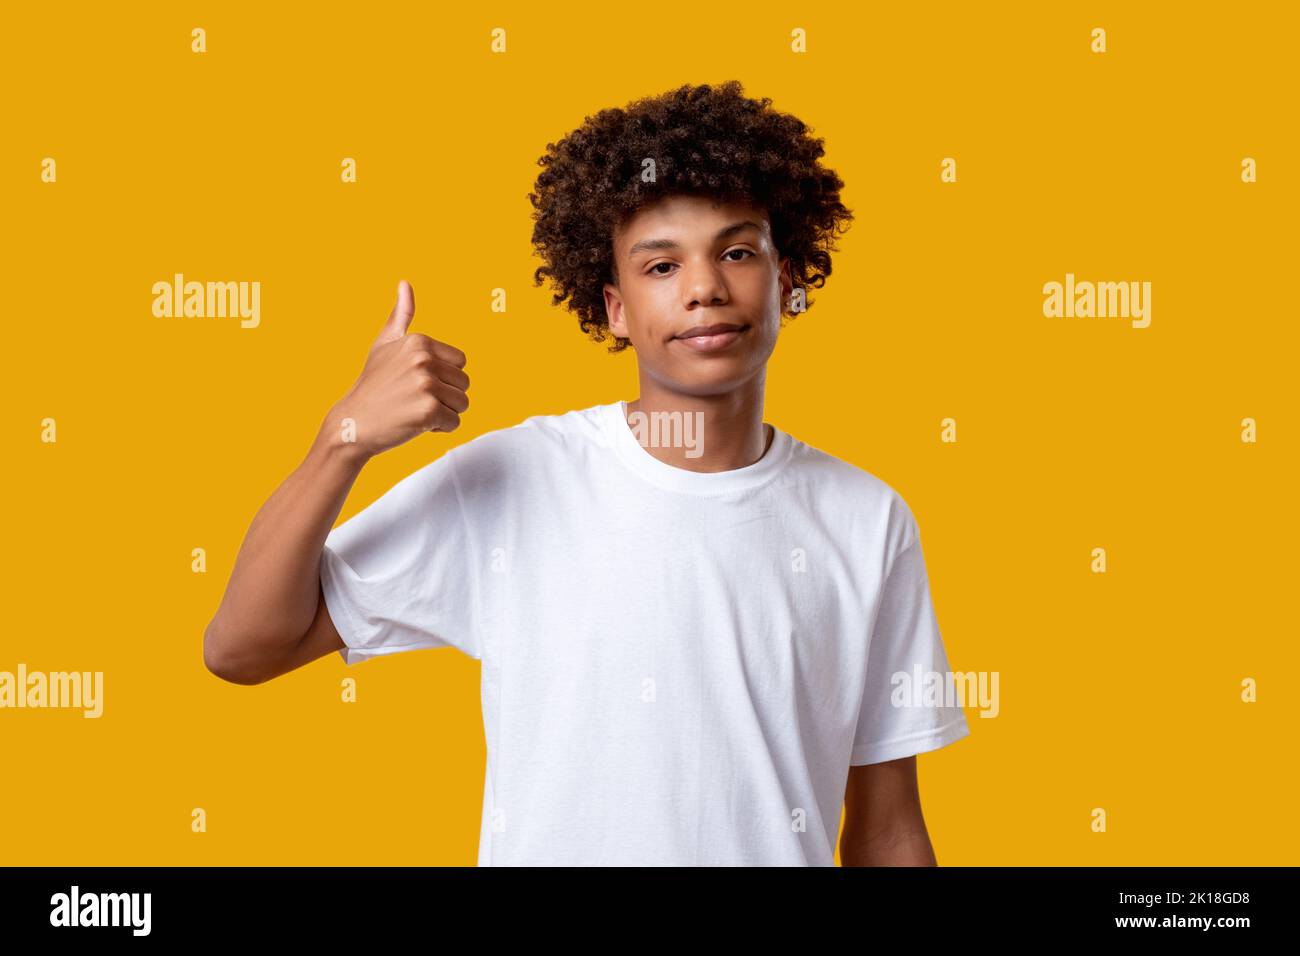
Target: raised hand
column 411, row 383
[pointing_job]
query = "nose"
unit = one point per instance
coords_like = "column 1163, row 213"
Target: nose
column 704, row 286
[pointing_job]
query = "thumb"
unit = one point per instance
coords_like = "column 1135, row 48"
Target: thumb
column 400, row 318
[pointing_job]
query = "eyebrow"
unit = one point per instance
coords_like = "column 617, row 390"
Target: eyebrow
column 650, row 244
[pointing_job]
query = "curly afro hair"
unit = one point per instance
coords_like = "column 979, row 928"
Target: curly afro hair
column 704, row 140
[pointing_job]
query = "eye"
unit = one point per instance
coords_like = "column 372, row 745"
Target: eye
column 745, row 253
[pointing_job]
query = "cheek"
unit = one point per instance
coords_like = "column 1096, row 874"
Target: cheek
column 761, row 289
column 647, row 312
column 765, row 342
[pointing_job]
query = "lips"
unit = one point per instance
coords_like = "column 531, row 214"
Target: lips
column 716, row 329
column 711, row 338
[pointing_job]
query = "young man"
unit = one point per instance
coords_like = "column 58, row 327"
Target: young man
column 689, row 633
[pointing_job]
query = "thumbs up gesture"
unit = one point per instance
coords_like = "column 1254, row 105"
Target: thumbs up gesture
column 410, row 384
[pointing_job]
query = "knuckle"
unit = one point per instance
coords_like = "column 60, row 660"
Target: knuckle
column 451, row 355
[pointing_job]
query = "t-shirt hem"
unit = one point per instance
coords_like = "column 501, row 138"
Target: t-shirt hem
column 345, row 621
column 920, row 742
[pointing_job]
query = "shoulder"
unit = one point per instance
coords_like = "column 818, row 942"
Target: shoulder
column 536, row 437
column 858, row 494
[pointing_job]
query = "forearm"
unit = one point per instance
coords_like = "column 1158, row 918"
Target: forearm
column 899, row 847
column 271, row 598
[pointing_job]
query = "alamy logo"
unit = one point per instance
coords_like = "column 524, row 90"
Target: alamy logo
column 669, row 430
column 211, row 300
column 946, row 689
column 1102, row 300
column 102, row 909
column 84, row 689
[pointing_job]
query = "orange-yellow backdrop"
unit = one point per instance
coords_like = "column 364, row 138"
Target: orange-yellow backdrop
column 1119, row 691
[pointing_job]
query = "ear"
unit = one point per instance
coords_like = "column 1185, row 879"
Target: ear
column 614, row 311
column 787, row 280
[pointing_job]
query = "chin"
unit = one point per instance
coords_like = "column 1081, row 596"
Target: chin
column 720, row 378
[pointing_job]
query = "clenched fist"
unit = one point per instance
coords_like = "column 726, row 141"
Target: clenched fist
column 410, row 384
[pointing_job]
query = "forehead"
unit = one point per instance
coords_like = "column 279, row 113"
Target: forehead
column 682, row 215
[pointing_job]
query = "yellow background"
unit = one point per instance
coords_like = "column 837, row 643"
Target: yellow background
column 1119, row 691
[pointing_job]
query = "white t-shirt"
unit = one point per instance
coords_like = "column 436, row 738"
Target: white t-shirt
column 678, row 667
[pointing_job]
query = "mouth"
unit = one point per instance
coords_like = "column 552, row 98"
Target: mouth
column 710, row 338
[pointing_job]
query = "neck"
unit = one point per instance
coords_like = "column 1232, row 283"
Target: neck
column 708, row 432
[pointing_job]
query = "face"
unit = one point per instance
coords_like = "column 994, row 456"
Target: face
column 687, row 265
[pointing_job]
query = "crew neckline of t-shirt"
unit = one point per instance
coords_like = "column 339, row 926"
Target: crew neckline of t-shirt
column 637, row 458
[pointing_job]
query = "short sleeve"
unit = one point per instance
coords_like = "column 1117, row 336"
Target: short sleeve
column 399, row 575
column 898, row 717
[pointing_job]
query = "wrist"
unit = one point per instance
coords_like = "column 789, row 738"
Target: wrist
column 336, row 443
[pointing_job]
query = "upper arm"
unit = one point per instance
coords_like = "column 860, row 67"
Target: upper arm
column 882, row 797
column 321, row 638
